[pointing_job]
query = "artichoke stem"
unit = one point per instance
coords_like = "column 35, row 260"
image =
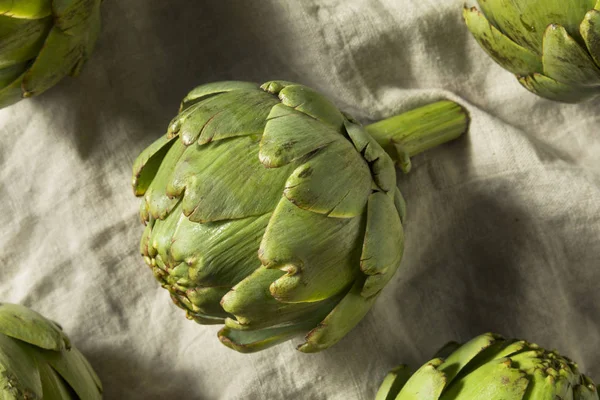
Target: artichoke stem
column 423, row 128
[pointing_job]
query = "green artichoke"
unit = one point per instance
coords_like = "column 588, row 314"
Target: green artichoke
column 552, row 46
column 270, row 211
column 42, row 41
column 37, row 360
column 492, row 368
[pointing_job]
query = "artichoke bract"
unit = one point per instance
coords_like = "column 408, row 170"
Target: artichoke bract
column 37, row 360
column 490, row 367
column 270, row 211
column 552, row 46
column 42, row 41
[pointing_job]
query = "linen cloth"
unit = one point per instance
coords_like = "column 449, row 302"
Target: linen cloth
column 503, row 225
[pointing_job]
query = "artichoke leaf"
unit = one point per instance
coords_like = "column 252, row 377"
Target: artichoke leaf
column 147, row 163
column 71, row 16
column 226, row 115
column 566, row 61
column 9, row 74
column 313, row 104
column 461, row 358
column 218, row 181
column 29, row 9
column 205, row 91
column 176, row 123
column 145, row 245
column 335, row 182
column 158, row 202
column 542, row 386
column 496, row 380
column 402, row 157
column 72, row 366
column 341, row 320
column 535, row 358
column 56, row 59
column 207, row 301
column 393, row 383
column 581, row 392
column 585, row 380
column 383, row 243
column 290, row 135
column 508, row 349
column 21, row 323
column 590, row 31
column 210, row 312
column 551, row 89
column 242, row 113
column 215, row 254
column 400, row 204
column 19, row 375
column 179, row 275
column 159, row 237
column 12, row 93
column 90, row 35
column 380, row 163
column 53, row 387
column 524, row 21
column 425, row 384
column 564, row 386
column 199, row 317
column 446, row 350
column 274, row 87
column 255, row 308
column 510, row 55
column 320, row 254
column 21, row 39
column 528, row 359
column 253, row 341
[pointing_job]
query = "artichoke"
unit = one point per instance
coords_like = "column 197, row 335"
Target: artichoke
column 37, row 360
column 273, row 213
column 41, row 41
column 552, row 46
column 490, row 367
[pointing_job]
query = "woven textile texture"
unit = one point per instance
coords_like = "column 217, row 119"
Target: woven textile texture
column 503, row 225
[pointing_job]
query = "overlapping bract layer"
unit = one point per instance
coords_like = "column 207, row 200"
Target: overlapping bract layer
column 269, row 211
column 492, row 368
column 37, row 360
column 552, row 46
column 42, row 41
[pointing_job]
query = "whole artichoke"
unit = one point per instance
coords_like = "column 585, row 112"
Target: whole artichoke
column 552, row 46
column 492, row 368
column 37, row 360
column 42, row 41
column 270, row 211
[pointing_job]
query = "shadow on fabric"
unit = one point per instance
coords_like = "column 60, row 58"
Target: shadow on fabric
column 480, row 290
column 147, row 59
column 134, row 376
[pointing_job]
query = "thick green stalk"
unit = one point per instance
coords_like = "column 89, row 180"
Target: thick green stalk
column 423, row 128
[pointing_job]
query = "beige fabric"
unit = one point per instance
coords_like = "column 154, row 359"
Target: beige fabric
column 503, row 226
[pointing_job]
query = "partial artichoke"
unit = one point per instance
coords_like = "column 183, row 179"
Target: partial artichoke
column 37, row 360
column 270, row 211
column 552, row 46
column 42, row 41
column 490, row 367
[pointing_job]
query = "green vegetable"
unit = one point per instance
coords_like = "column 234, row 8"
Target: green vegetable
column 270, row 211
column 42, row 41
column 37, row 360
column 492, row 368
column 552, row 46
